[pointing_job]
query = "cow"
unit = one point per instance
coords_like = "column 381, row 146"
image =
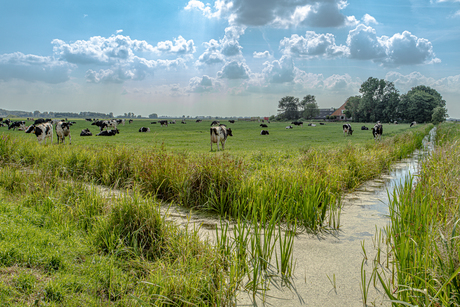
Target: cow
column 130, row 121
column 144, row 129
column 219, row 134
column 63, row 130
column 106, row 124
column 172, row 122
column 395, row 122
column 198, row 121
column 153, row 123
column 347, row 129
column 42, row 131
column 108, row 132
column 364, row 128
column 231, row 121
column 264, row 132
column 85, row 132
column 288, row 127
column 215, row 122
column 377, row 131
column 297, row 123
column 413, row 124
column 322, row 124
column 163, row 123
column 183, row 121
column 88, row 119
column 312, row 125
column 21, row 125
column 263, row 125
column 39, row 121
column 121, row 121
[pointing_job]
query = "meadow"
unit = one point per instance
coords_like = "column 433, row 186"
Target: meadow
column 290, row 180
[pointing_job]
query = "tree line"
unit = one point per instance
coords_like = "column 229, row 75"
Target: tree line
column 379, row 101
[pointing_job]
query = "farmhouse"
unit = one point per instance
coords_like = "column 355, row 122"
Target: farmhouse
column 323, row 113
column 339, row 113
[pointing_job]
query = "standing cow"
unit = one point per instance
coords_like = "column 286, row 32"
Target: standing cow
column 347, row 129
column 219, row 134
column 377, row 131
column 42, row 131
column 63, row 130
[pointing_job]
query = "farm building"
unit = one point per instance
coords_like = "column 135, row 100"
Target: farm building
column 339, row 113
column 323, row 113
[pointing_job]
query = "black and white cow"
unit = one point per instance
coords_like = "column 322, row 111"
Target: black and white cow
column 130, row 121
column 215, row 122
column 106, row 124
column 297, row 123
column 219, row 134
column 288, row 127
column 263, row 125
column 42, row 131
column 108, row 132
column 153, row 123
column 144, row 129
column 63, row 130
column 198, row 121
column 347, row 129
column 322, row 124
column 85, row 132
column 413, row 124
column 21, row 125
column 163, row 123
column 231, row 121
column 364, row 128
column 183, row 121
column 264, row 132
column 121, row 121
column 377, row 131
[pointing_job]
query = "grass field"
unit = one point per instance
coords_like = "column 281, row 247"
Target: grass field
column 194, row 137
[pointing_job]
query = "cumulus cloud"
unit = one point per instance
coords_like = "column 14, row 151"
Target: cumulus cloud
column 234, row 70
column 261, row 55
column 404, row 83
column 368, row 19
column 278, row 13
column 279, row 71
column 32, row 68
column 179, row 46
column 312, row 45
column 203, row 84
column 400, row 49
column 227, row 47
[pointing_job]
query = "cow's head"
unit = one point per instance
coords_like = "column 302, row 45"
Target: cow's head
column 30, row 129
column 229, row 132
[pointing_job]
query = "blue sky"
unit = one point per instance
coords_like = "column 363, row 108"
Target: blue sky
column 220, row 58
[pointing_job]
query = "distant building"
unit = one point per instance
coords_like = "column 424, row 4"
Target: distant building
column 339, row 113
column 323, row 113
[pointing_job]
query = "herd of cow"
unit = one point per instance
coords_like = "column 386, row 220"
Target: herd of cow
column 43, row 129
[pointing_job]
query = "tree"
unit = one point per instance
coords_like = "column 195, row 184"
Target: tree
column 439, row 115
column 310, row 108
column 352, row 108
column 289, row 105
column 380, row 100
column 419, row 104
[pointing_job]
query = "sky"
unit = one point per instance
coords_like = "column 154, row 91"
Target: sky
column 222, row 57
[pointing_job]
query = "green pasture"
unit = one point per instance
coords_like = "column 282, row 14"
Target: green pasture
column 194, row 137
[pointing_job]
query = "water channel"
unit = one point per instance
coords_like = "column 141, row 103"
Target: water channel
column 320, row 258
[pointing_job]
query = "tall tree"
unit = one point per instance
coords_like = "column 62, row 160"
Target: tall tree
column 352, row 108
column 379, row 100
column 419, row 104
column 310, row 107
column 288, row 105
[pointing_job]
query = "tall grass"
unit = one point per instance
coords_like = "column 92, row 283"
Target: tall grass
column 423, row 237
column 306, row 185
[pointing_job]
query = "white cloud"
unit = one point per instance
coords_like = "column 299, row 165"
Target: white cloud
column 368, row 19
column 400, row 49
column 179, row 46
column 203, row 84
column 312, row 45
column 277, row 13
column 32, row 68
column 455, row 15
column 234, row 70
column 219, row 51
column 261, row 55
column 404, row 83
column 281, row 71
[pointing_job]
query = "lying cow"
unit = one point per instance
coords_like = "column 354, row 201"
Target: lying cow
column 347, row 129
column 377, row 131
column 219, row 134
column 108, row 132
column 312, row 125
column 413, row 124
column 106, row 124
column 264, row 132
column 322, row 124
column 144, row 129
column 42, row 131
column 198, row 121
column 63, row 130
column 364, row 128
column 231, row 121
column 85, row 132
column 288, row 127
column 263, row 125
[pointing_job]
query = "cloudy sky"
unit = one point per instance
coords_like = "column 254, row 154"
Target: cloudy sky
column 222, row 57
